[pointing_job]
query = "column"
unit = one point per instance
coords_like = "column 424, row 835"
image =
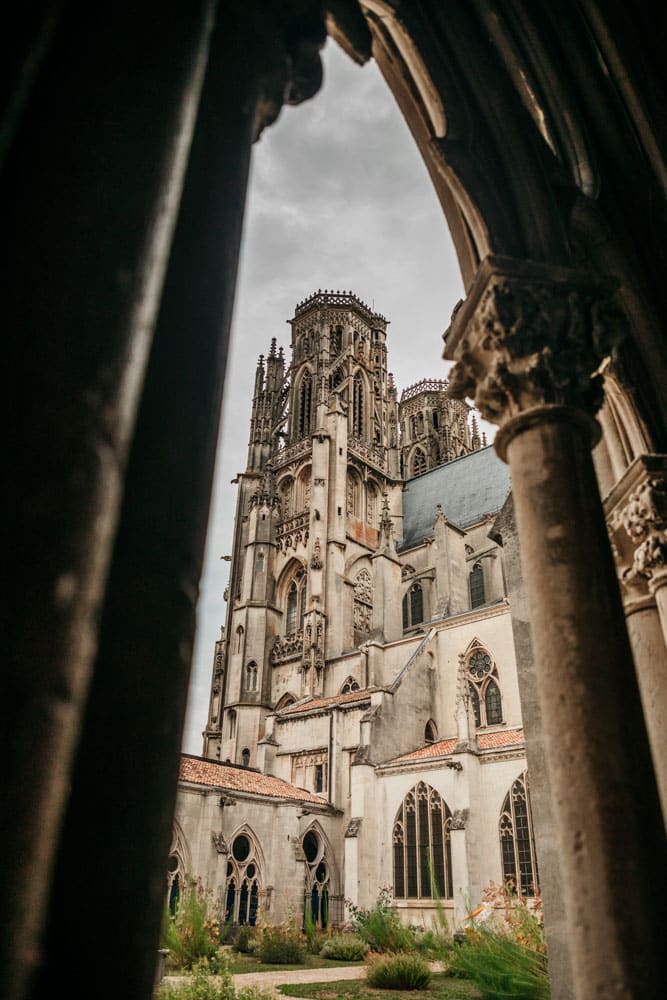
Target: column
column 527, row 344
column 636, row 510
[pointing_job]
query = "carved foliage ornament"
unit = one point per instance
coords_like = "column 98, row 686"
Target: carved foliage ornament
column 531, row 343
column 645, row 520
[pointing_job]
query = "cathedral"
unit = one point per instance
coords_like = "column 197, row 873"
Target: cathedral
column 364, row 727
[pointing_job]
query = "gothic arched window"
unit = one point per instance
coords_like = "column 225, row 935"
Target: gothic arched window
column 239, row 639
column 251, row 676
column 318, row 880
column 335, row 341
column 413, row 606
column 477, row 596
column 430, row 731
column 422, row 855
column 357, row 406
column 483, row 685
column 243, row 881
column 517, row 840
column 363, row 606
column 245, row 757
column 418, row 462
column 231, row 723
column 295, row 605
column 305, row 413
column 354, row 495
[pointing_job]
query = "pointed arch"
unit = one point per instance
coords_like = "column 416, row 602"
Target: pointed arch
column 179, row 865
column 304, row 397
column 363, row 606
column 517, row 840
column 413, row 606
column 358, row 405
column 483, row 680
column 285, row 701
column 243, row 878
column 430, row 731
column 321, row 881
column 418, row 462
column 355, row 493
column 349, row 684
column 421, row 839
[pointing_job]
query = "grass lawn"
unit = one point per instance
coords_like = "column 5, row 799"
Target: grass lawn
column 442, row 987
column 248, row 963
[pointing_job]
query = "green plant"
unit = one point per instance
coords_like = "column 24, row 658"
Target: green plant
column 193, row 932
column 202, row 985
column 399, row 972
column 381, row 925
column 344, row 947
column 501, row 967
column 246, row 940
column 282, row 945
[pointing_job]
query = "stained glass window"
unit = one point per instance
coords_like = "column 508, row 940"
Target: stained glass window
column 421, row 846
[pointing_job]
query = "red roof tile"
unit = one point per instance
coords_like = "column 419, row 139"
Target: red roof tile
column 201, row 771
column 339, row 699
column 485, row 741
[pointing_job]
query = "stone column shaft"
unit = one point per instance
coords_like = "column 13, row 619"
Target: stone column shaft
column 529, row 342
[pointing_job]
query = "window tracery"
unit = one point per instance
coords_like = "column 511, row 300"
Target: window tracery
column 243, row 881
column 418, row 462
column 318, row 879
column 295, row 605
column 250, row 677
column 349, row 685
column 517, row 840
column 484, row 687
column 422, row 857
column 363, row 606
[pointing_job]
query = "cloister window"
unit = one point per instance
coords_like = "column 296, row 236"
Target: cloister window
column 413, row 606
column 251, row 676
column 318, row 880
column 357, row 406
column 363, row 606
column 305, row 412
column 422, row 856
column 243, row 882
column 418, row 462
column 483, row 685
column 477, row 596
column 517, row 840
column 349, row 685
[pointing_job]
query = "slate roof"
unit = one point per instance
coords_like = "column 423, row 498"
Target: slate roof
column 485, row 741
column 467, row 489
column 201, row 771
column 313, row 704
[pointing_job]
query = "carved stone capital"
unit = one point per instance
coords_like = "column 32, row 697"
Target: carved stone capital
column 636, row 511
column 531, row 337
column 459, row 819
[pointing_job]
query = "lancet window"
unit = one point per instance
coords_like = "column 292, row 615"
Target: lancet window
column 484, row 687
column 430, row 731
column 418, row 462
column 477, row 595
column 413, row 606
column 335, row 341
column 363, row 606
column 422, row 855
column 357, row 406
column 305, row 411
column 250, row 676
column 517, row 840
column 239, row 639
column 245, row 757
column 295, row 607
column 243, row 883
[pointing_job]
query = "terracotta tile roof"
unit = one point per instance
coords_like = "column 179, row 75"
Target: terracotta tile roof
column 501, row 738
column 201, row 771
column 485, row 741
column 339, row 699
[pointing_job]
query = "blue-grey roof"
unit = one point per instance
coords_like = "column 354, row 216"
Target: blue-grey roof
column 467, row 489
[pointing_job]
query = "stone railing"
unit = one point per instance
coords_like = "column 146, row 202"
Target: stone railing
column 288, row 647
column 425, row 385
column 293, row 531
column 330, row 299
column 368, row 451
column 294, row 451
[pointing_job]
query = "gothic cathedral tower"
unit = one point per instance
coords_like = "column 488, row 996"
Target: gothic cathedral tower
column 318, row 510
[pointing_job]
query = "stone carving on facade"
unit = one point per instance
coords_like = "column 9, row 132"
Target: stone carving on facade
column 219, row 842
column 459, row 819
column 533, row 341
column 645, row 521
column 354, row 826
column 288, row 647
column 316, row 558
column 293, row 531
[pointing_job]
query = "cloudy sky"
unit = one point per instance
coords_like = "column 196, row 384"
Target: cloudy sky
column 339, row 199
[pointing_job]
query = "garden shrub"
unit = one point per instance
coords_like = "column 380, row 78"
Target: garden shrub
column 193, row 932
column 246, row 940
column 282, row 945
column 202, row 985
column 344, row 948
column 501, row 967
column 399, row 972
column 381, row 926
